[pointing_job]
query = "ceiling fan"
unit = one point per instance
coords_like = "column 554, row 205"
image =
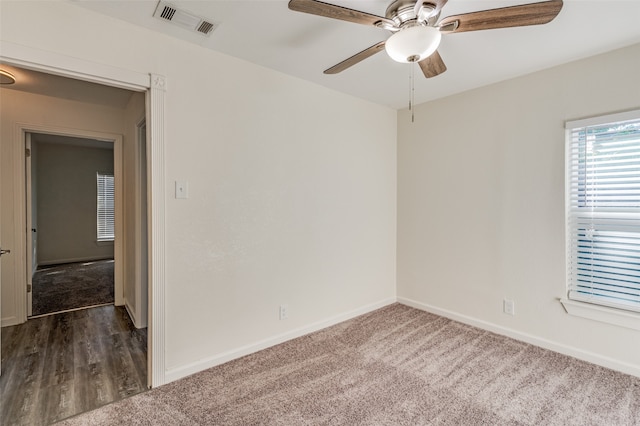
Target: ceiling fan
column 417, row 31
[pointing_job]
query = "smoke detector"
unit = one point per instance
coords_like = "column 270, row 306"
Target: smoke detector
column 187, row 20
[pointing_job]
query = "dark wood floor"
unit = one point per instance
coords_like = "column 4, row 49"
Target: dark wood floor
column 60, row 365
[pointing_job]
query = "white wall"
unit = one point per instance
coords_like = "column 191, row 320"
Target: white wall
column 481, row 203
column 292, row 187
column 66, row 206
column 36, row 110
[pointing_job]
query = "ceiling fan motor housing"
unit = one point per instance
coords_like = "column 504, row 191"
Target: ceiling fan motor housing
column 404, row 11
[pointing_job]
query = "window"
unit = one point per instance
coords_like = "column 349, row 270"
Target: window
column 603, row 210
column 105, row 225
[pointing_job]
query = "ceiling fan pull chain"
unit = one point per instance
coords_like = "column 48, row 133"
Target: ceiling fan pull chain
column 411, row 89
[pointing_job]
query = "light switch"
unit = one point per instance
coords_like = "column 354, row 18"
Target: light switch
column 182, row 189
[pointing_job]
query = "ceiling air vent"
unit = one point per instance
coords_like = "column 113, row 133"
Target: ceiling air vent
column 187, row 20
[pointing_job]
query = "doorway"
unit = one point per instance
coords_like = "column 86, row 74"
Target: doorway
column 70, row 195
column 153, row 86
column 107, row 332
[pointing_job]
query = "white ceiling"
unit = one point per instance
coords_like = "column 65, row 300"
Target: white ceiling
column 66, row 88
column 267, row 33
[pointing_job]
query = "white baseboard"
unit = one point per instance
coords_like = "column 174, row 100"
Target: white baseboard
column 176, row 373
column 9, row 321
column 583, row 355
column 73, row 260
column 132, row 314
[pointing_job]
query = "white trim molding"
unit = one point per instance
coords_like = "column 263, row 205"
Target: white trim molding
column 118, row 244
column 68, row 66
column 72, row 260
column 601, row 313
column 20, row 265
column 155, row 87
column 602, row 119
column 141, row 241
column 132, row 315
column 156, row 230
column 614, row 364
column 186, row 370
column 9, row 321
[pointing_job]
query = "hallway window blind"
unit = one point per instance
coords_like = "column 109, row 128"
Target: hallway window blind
column 603, row 210
column 106, row 207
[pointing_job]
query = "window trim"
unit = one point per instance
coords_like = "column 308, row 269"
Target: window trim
column 602, row 119
column 615, row 316
column 593, row 311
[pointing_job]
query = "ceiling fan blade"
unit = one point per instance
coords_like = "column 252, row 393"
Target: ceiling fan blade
column 504, row 17
column 327, row 10
column 361, row 56
column 432, row 65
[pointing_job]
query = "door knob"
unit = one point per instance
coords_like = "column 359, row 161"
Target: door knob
column 4, row 252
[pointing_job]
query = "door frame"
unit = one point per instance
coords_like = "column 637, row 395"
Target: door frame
column 29, row 219
column 154, row 85
column 141, row 251
column 24, row 131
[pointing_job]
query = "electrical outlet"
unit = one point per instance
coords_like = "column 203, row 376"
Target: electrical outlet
column 284, row 312
column 508, row 306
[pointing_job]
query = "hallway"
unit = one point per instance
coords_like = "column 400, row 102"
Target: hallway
column 60, row 365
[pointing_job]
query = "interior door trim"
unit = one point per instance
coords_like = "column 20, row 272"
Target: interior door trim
column 155, row 86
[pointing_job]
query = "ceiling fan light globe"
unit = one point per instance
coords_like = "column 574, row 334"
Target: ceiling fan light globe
column 413, row 44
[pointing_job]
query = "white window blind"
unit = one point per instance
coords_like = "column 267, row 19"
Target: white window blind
column 106, row 204
column 603, row 210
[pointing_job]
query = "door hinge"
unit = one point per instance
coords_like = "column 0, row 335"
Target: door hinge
column 29, row 288
column 27, row 152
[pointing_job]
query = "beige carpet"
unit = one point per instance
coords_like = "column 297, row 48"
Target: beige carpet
column 394, row 366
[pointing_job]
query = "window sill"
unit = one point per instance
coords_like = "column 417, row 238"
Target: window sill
column 104, row 242
column 602, row 313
